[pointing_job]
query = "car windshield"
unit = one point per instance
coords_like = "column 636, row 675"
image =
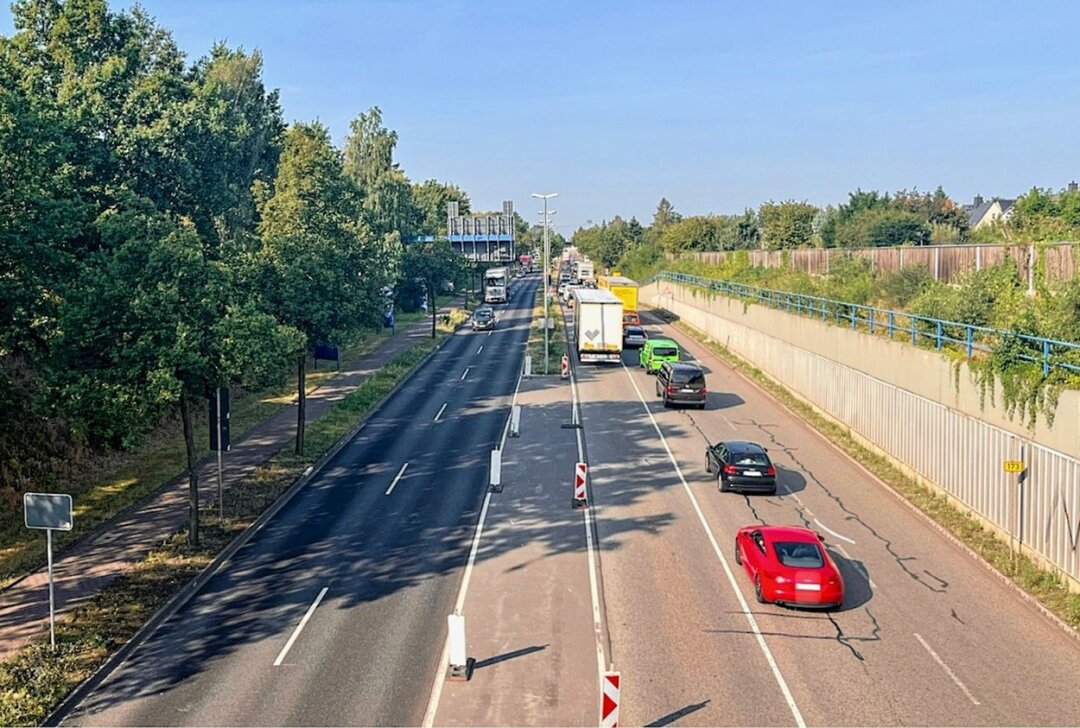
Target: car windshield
column 665, row 351
column 799, row 554
column 484, row 313
column 749, row 458
column 685, row 377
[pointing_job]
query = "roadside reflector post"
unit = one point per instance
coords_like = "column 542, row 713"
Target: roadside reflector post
column 495, row 472
column 528, row 365
column 580, row 499
column 565, row 366
column 461, row 666
column 515, row 420
column 609, row 701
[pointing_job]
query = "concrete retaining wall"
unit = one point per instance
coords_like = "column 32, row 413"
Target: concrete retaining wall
column 906, row 403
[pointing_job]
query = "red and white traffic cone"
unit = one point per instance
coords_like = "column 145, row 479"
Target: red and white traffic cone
column 580, row 499
column 565, row 366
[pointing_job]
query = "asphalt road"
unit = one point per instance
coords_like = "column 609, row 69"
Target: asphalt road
column 927, row 636
column 367, row 558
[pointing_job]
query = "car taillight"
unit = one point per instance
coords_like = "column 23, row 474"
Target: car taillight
column 704, row 391
column 730, row 470
column 771, row 470
column 670, row 389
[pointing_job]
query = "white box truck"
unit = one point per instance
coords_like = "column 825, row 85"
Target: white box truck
column 584, row 271
column 598, row 325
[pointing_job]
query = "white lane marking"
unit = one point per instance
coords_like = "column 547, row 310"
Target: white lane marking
column 459, row 605
column 590, row 547
column 490, row 333
column 465, row 373
column 945, row 667
column 480, row 350
column 300, row 627
column 728, row 421
column 441, row 410
column 834, row 533
column 723, row 562
column 396, row 479
column 861, row 569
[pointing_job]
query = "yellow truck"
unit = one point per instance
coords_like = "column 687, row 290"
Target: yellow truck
column 624, row 289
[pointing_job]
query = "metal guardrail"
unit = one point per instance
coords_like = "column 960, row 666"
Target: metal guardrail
column 1050, row 353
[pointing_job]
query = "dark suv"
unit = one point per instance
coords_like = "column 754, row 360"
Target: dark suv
column 680, row 382
column 743, row 466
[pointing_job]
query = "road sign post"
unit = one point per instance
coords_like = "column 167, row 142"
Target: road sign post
column 515, row 420
column 580, row 499
column 49, row 512
column 609, row 700
column 461, row 665
column 219, row 439
column 495, row 472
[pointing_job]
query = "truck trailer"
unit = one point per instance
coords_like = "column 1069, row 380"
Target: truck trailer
column 625, row 289
column 598, row 325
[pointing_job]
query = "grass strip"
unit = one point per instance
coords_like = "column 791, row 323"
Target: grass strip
column 123, row 480
column 35, row 680
column 1047, row 587
column 556, row 338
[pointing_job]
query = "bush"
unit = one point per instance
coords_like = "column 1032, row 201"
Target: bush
column 896, row 289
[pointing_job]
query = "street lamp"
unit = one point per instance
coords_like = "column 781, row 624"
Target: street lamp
column 547, row 269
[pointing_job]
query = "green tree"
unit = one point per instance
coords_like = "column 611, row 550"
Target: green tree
column 431, row 198
column 665, row 215
column 787, row 224
column 154, row 325
column 321, row 268
column 385, row 192
column 432, row 266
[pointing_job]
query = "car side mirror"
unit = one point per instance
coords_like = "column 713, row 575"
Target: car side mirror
column 820, row 537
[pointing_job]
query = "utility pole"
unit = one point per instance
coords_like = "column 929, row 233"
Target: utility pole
column 547, row 269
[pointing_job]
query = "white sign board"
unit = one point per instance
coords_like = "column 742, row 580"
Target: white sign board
column 47, row 510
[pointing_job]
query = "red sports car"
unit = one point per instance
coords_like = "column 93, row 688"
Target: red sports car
column 789, row 566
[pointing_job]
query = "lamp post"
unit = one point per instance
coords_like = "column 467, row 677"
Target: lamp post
column 547, row 269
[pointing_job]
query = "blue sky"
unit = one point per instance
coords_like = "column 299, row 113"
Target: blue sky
column 716, row 106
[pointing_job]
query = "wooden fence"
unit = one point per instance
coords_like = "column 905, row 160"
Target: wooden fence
column 947, row 263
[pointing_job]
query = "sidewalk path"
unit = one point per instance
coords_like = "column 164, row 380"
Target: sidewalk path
column 91, row 563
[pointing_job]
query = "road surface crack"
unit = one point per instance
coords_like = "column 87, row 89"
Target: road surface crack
column 851, row 515
column 843, row 640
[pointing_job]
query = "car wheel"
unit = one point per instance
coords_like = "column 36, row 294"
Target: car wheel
column 658, row 392
column 667, row 402
column 772, row 492
column 701, row 406
column 721, row 484
column 708, row 465
column 757, row 591
column 738, row 556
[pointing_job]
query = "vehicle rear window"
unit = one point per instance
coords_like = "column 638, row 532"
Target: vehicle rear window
column 634, row 331
column 749, row 458
column 799, row 554
column 696, row 379
column 665, row 351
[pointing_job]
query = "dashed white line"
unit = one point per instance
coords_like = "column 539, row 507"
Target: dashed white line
column 480, row 350
column 788, row 697
column 396, row 479
column 949, row 672
column 834, row 533
column 300, row 627
column 441, row 410
column 465, row 373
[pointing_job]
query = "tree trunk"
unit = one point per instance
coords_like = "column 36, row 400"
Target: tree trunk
column 193, row 472
column 301, row 409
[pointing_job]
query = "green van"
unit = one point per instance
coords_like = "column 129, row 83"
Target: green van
column 656, row 352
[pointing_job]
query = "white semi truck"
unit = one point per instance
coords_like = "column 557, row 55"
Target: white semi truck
column 496, row 282
column 598, row 325
column 583, row 271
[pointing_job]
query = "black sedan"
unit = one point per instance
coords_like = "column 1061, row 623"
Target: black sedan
column 633, row 337
column 741, row 466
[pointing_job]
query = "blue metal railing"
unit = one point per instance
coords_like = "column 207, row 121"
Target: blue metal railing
column 922, row 330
